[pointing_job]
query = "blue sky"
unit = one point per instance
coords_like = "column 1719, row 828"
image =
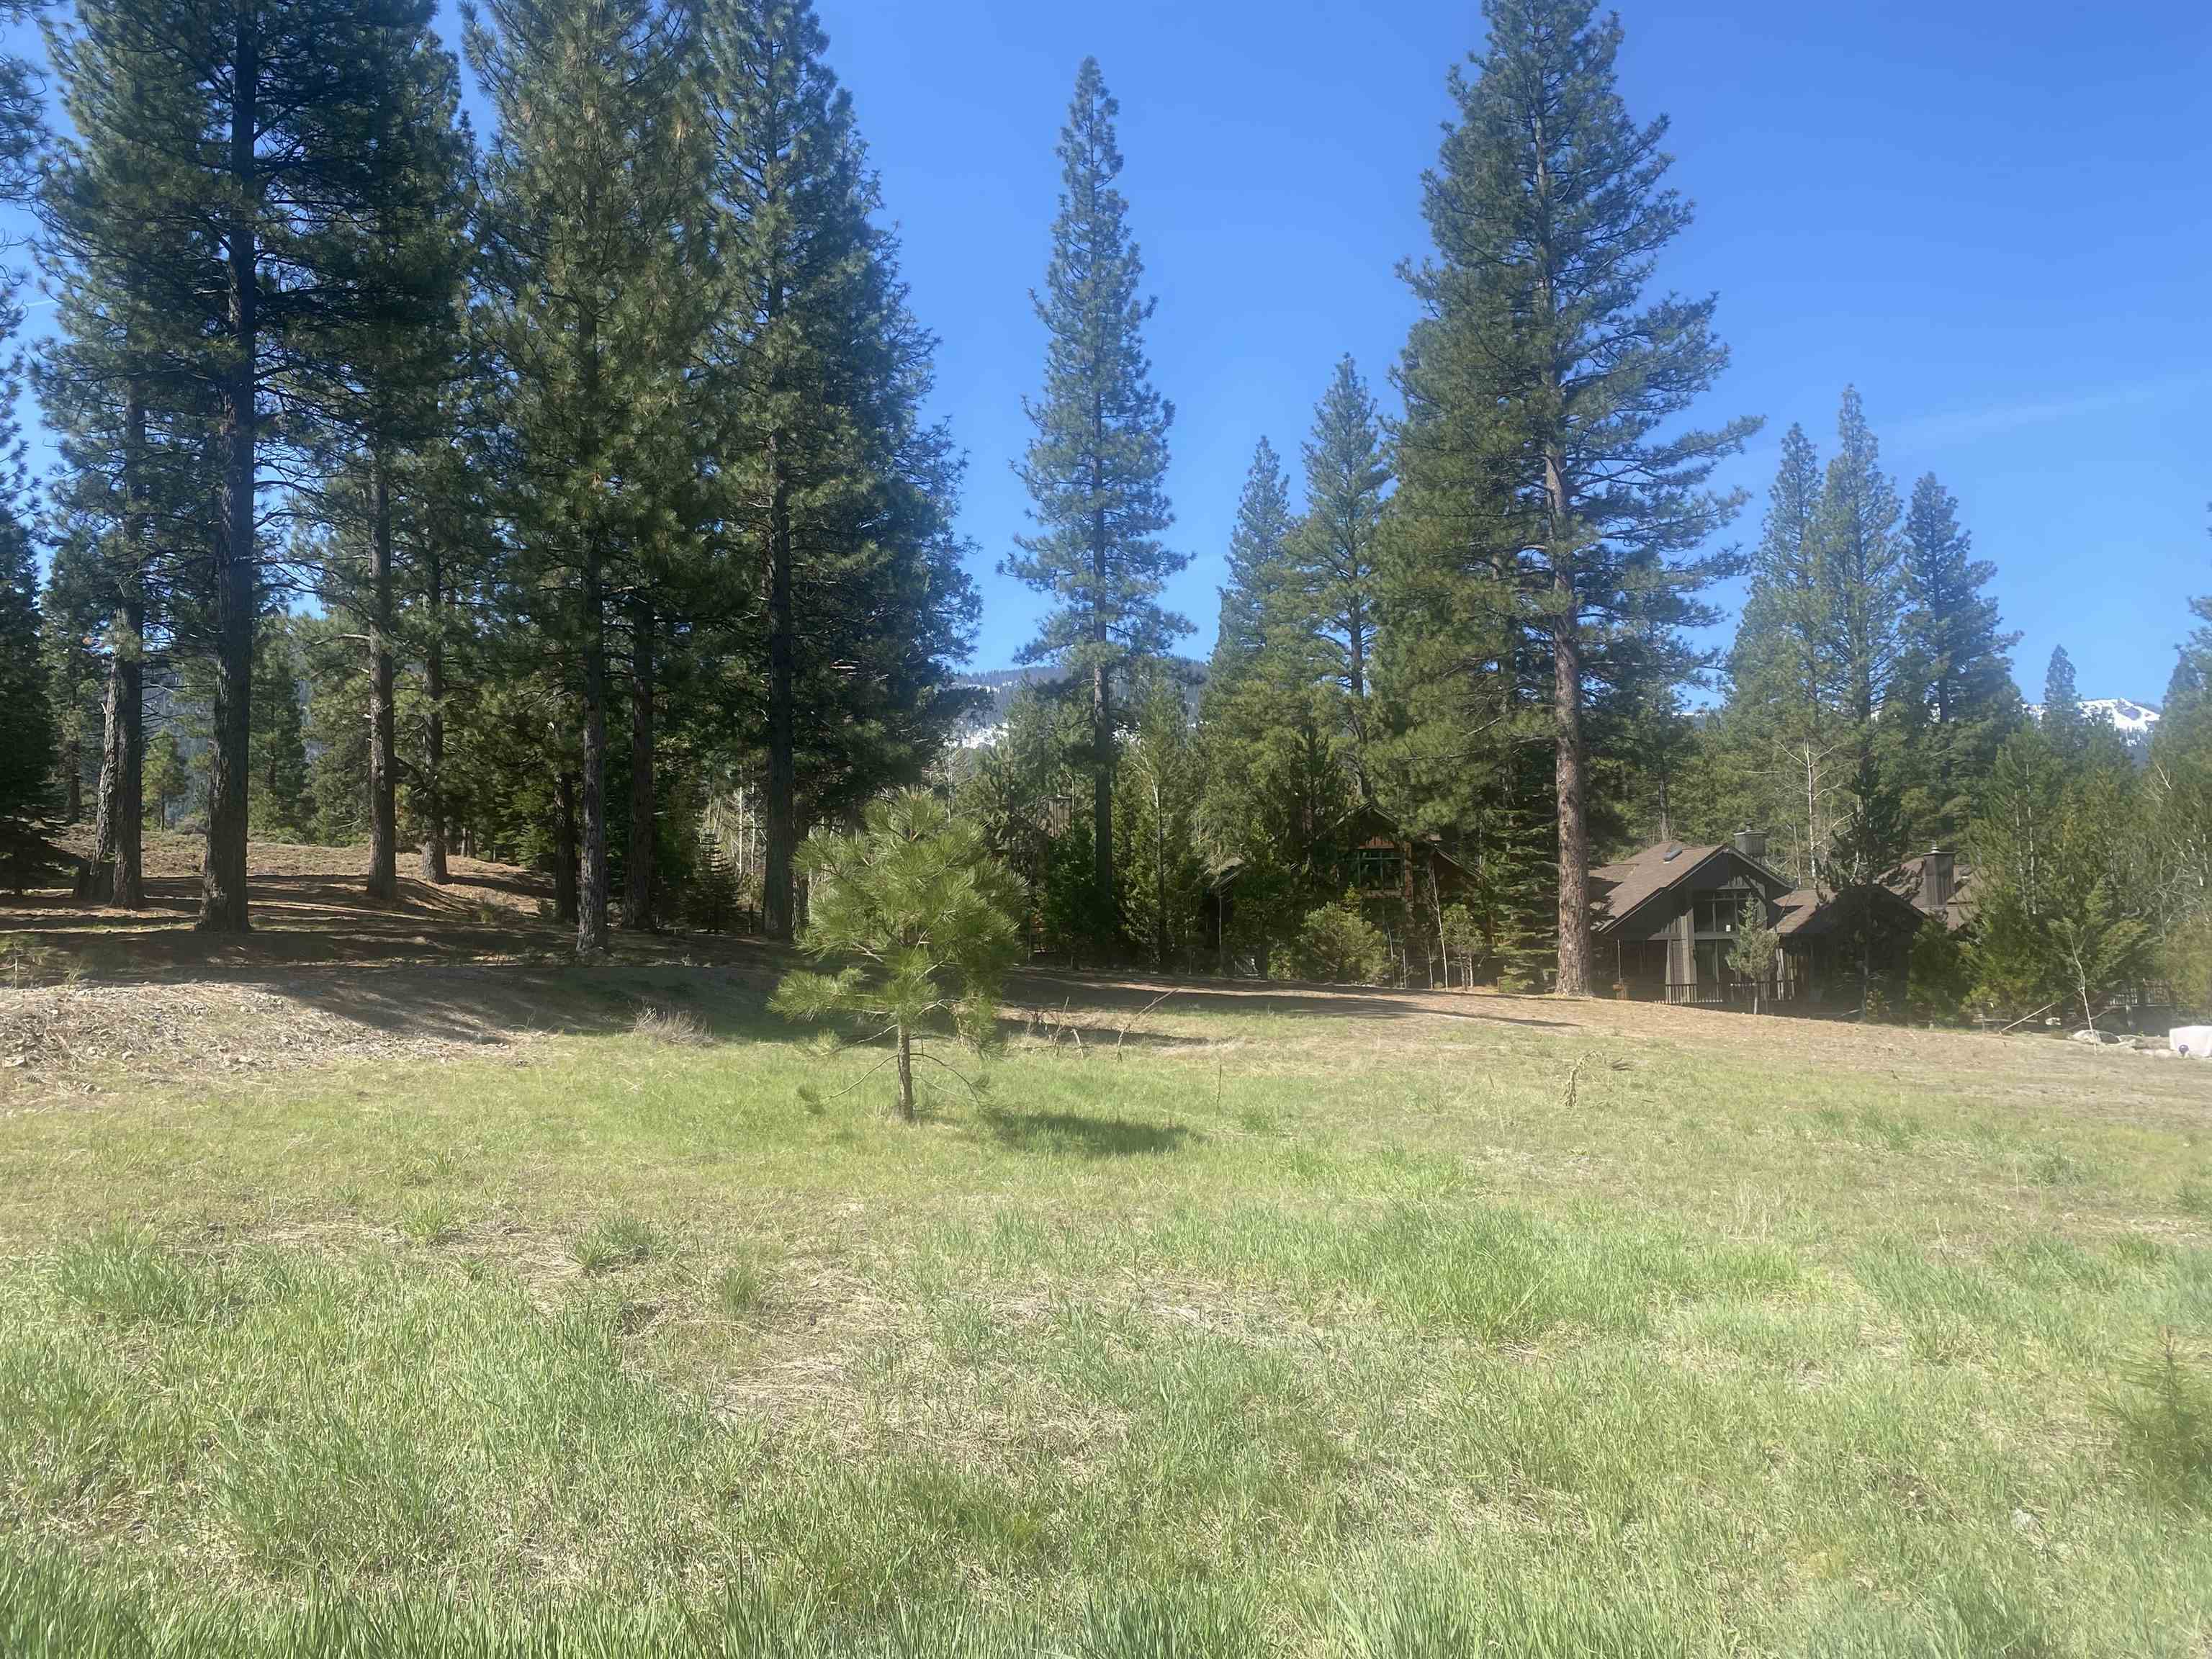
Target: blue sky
column 1990, row 217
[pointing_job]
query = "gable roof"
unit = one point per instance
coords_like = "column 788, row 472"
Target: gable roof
column 1808, row 912
column 1633, row 883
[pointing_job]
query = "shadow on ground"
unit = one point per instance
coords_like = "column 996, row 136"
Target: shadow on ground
column 1081, row 1134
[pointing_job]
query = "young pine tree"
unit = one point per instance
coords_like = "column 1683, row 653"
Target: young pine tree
column 1097, row 470
column 923, row 919
column 1540, row 382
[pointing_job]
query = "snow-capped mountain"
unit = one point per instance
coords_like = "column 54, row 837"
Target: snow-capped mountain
column 2135, row 722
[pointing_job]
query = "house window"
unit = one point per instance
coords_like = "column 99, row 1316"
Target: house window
column 1719, row 913
column 1378, row 869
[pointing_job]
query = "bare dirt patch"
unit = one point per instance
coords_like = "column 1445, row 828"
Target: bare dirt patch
column 329, row 976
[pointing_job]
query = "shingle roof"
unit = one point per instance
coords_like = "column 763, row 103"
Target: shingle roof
column 1654, row 870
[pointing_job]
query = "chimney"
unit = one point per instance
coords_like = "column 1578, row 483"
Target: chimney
column 1937, row 872
column 1752, row 843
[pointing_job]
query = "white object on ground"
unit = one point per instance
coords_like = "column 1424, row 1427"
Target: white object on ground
column 2194, row 1040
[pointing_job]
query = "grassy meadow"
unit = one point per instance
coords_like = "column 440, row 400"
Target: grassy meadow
column 1475, row 1326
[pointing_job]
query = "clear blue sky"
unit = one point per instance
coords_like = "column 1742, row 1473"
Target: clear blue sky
column 1993, row 218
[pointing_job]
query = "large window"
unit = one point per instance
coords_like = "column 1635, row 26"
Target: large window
column 1379, row 869
column 1720, row 913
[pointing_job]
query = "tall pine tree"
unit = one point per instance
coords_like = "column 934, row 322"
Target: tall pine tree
column 1331, row 589
column 1542, row 386
column 1781, row 720
column 382, row 413
column 1959, row 703
column 243, row 139
column 1256, row 545
column 1097, row 470
column 836, row 496
column 598, row 170
column 1860, row 561
column 2065, row 727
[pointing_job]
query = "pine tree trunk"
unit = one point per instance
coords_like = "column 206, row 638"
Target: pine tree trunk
column 564, row 849
column 1101, row 800
column 1159, row 880
column 222, row 872
column 433, row 746
column 127, row 884
column 591, row 895
column 97, row 880
column 383, row 762
column 782, row 817
column 906, row 1073
column 1574, row 979
column 637, row 898
column 73, row 779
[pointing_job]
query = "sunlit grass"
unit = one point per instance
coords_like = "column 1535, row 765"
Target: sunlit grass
column 1262, row 1334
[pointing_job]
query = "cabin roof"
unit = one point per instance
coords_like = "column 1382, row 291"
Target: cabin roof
column 1632, row 883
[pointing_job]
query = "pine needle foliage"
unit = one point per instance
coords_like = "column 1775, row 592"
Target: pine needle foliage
column 1542, row 469
column 921, row 918
column 1096, row 469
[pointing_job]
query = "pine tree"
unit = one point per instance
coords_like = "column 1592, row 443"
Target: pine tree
column 2065, row 727
column 1539, row 381
column 1329, row 593
column 1959, row 701
column 237, row 144
column 277, row 794
column 168, row 780
column 1162, row 782
column 1256, row 545
column 921, row 920
column 1782, row 716
column 1860, row 561
column 27, row 729
column 381, row 412
column 1096, row 469
column 830, row 487
column 597, row 174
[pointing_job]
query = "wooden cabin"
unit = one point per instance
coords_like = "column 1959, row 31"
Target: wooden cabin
column 1667, row 920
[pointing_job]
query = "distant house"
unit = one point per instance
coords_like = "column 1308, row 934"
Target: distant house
column 1667, row 920
column 1374, row 856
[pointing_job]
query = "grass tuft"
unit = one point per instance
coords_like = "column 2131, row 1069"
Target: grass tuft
column 741, row 1289
column 621, row 1239
column 672, row 1026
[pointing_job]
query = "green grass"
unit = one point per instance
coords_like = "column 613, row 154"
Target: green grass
column 1268, row 1335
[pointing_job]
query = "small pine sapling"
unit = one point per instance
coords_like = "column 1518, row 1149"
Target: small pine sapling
column 1752, row 956
column 921, row 918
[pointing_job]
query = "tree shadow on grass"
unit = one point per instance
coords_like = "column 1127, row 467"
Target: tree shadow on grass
column 1083, row 1135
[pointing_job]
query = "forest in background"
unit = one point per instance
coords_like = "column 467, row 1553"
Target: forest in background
column 564, row 493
